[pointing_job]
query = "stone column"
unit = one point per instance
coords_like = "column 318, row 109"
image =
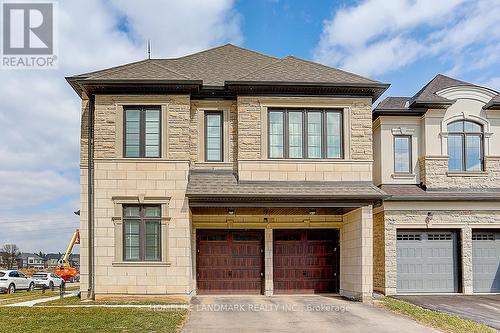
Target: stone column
column 356, row 248
column 467, row 274
column 268, row 261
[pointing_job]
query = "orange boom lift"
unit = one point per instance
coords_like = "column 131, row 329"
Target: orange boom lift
column 64, row 269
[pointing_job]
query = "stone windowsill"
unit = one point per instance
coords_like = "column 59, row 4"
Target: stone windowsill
column 467, row 173
column 141, row 264
column 403, row 175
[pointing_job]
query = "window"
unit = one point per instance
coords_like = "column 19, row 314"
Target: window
column 408, row 237
column 142, row 132
column 402, row 154
column 465, row 146
column 439, row 237
column 298, row 133
column 141, row 228
column 213, row 136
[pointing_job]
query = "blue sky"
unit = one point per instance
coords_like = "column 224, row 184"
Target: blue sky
column 402, row 42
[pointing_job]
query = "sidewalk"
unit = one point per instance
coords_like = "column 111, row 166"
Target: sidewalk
column 41, row 300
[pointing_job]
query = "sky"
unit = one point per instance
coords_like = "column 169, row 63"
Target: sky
column 401, row 42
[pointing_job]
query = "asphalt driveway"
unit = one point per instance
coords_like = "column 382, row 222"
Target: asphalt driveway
column 480, row 308
column 293, row 314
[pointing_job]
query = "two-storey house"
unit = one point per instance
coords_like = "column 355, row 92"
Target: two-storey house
column 226, row 171
column 437, row 154
column 30, row 260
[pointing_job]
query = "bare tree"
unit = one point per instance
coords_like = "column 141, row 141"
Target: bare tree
column 9, row 253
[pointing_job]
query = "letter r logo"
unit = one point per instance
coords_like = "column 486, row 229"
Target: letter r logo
column 28, row 28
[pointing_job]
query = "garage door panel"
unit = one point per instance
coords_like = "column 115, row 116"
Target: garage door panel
column 229, row 261
column 486, row 261
column 305, row 261
column 426, row 261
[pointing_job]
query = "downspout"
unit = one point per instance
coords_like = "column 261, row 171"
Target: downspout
column 90, row 181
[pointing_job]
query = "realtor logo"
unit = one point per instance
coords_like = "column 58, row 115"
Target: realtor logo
column 28, row 38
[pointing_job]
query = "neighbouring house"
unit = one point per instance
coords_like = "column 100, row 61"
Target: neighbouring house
column 74, row 260
column 30, row 260
column 52, row 259
column 437, row 154
column 229, row 171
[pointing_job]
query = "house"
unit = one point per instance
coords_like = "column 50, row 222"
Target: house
column 437, row 154
column 74, row 260
column 30, row 260
column 226, row 171
column 52, row 259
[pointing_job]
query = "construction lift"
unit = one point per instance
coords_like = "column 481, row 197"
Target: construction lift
column 64, row 269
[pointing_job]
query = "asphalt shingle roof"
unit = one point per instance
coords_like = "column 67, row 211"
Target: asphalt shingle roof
column 415, row 192
column 212, row 184
column 216, row 66
column 428, row 93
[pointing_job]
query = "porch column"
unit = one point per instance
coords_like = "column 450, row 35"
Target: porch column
column 467, row 273
column 268, row 261
column 356, row 248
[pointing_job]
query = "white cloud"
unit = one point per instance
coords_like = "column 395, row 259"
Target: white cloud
column 40, row 113
column 375, row 37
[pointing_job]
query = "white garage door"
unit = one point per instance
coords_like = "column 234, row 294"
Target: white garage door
column 486, row 261
column 427, row 262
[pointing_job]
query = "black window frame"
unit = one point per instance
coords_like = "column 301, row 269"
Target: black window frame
column 205, row 129
column 464, row 134
column 142, row 129
column 410, row 155
column 324, row 133
column 142, row 233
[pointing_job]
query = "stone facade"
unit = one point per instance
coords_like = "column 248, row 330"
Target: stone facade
column 434, row 174
column 356, row 256
column 378, row 252
column 119, row 181
column 463, row 220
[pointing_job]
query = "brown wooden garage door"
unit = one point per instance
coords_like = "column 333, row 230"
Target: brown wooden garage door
column 230, row 261
column 306, row 261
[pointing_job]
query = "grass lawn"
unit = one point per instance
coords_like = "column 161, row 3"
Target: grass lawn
column 134, row 301
column 439, row 320
column 31, row 319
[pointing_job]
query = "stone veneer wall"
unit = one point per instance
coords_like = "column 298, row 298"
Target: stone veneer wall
column 463, row 220
column 378, row 252
column 250, row 123
column 356, row 256
column 434, row 174
column 146, row 179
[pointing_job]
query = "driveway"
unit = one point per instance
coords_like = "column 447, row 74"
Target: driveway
column 480, row 308
column 293, row 314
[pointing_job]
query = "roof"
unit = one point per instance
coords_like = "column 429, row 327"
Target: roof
column 415, row 192
column 219, row 66
column 51, row 256
column 223, row 185
column 426, row 97
column 494, row 104
column 25, row 255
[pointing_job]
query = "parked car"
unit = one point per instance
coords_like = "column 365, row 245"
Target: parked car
column 47, row 280
column 11, row 280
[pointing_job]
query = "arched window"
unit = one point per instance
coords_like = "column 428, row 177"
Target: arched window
column 465, row 146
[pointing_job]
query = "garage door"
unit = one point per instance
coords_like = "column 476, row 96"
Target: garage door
column 229, row 261
column 427, row 262
column 306, row 261
column 486, row 261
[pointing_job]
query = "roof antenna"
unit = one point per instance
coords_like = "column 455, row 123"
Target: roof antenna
column 149, row 49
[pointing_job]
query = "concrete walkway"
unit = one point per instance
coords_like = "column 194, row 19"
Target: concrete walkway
column 293, row 314
column 41, row 300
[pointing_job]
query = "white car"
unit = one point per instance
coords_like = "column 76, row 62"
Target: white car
column 47, row 280
column 11, row 280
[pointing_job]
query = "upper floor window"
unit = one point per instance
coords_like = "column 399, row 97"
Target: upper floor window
column 465, row 146
column 402, row 154
column 298, row 133
column 213, row 136
column 142, row 131
column 141, row 228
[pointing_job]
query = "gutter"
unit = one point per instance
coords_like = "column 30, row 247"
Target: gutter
column 90, row 190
